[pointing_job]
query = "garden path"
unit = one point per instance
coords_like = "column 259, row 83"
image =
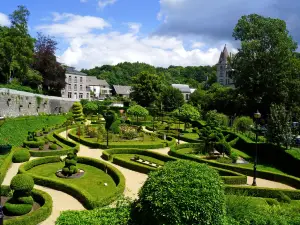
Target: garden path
column 149, row 131
column 61, row 200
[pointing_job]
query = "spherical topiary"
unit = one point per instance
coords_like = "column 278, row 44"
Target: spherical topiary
column 22, row 182
column 21, row 155
column 182, row 192
column 53, row 147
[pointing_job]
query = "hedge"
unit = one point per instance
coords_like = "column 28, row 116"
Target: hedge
column 92, row 144
column 268, row 154
column 85, row 198
column 68, row 146
column 229, row 177
column 6, row 164
column 261, row 192
column 33, row 144
column 282, row 178
column 36, row 216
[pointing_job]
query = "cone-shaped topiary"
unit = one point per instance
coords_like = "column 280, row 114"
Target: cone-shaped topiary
column 22, row 201
column 70, row 164
column 77, row 111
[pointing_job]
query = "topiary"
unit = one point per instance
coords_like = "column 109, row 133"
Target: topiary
column 168, row 197
column 70, row 164
column 53, row 146
column 234, row 156
column 77, row 111
column 21, row 155
column 22, row 201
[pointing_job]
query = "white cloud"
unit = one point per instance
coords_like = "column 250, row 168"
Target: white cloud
column 4, row 20
column 70, row 25
column 134, row 27
column 83, row 1
column 197, row 44
column 112, row 48
column 103, row 3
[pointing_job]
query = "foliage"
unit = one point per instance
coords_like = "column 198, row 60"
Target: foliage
column 115, row 127
column 172, row 98
column 146, row 88
column 91, row 131
column 215, row 119
column 53, row 146
column 128, row 132
column 165, row 200
column 22, row 201
column 243, row 123
column 90, row 108
column 279, row 126
column 45, row 62
column 186, row 113
column 77, row 111
column 137, row 111
column 265, row 65
column 21, row 155
column 110, row 118
column 70, row 167
column 234, row 156
column 120, row 215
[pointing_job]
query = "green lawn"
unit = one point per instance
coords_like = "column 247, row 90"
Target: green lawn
column 185, row 150
column 14, row 131
column 261, row 167
column 295, row 152
column 127, row 157
column 191, row 135
column 241, row 154
column 92, row 181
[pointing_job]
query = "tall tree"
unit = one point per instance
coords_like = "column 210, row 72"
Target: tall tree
column 172, row 98
column 261, row 66
column 45, row 62
column 186, row 113
column 146, row 88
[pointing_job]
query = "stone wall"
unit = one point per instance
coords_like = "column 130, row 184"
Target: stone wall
column 18, row 103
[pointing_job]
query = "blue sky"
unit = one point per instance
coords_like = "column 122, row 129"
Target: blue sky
column 159, row 32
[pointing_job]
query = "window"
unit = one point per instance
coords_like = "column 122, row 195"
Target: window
column 70, row 79
column 87, row 95
column 94, row 89
column 69, row 87
column 75, row 87
column 80, row 95
column 75, row 95
column 187, row 96
column 69, row 94
column 80, row 79
column 80, row 87
column 75, row 79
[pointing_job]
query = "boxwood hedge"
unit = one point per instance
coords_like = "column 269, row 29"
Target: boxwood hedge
column 34, row 217
column 85, row 198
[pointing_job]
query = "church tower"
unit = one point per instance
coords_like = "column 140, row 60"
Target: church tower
column 222, row 69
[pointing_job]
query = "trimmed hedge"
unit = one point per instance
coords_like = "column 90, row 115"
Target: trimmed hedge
column 6, row 164
column 285, row 179
column 92, row 144
column 229, row 177
column 21, row 155
column 33, row 144
column 262, row 192
column 34, row 217
column 85, row 198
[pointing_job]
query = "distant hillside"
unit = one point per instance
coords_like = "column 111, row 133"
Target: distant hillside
column 122, row 73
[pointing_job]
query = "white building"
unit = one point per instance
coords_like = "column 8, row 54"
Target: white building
column 100, row 88
column 223, row 68
column 185, row 90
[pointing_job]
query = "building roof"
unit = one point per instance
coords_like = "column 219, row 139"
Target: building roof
column 93, row 81
column 223, row 55
column 71, row 70
column 122, row 90
column 184, row 88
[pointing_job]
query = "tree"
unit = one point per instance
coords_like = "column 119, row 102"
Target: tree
column 262, row 64
column 137, row 111
column 170, row 197
column 146, row 88
column 110, row 118
column 45, row 62
column 172, row 98
column 90, row 108
column 33, row 79
column 215, row 119
column 243, row 123
column 16, row 46
column 186, row 113
column 279, row 126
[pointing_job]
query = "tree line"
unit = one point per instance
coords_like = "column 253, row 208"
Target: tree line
column 28, row 61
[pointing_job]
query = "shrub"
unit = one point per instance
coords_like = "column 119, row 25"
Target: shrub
column 91, row 131
column 243, row 123
column 234, row 156
column 283, row 197
column 128, row 132
column 215, row 119
column 167, row 197
column 41, row 147
column 115, row 127
column 272, row 201
column 70, row 164
column 53, row 147
column 21, row 202
column 21, row 155
column 224, row 160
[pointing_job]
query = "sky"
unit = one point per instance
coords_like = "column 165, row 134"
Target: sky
column 158, row 32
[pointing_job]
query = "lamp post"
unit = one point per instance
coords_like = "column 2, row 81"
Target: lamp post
column 178, row 142
column 257, row 115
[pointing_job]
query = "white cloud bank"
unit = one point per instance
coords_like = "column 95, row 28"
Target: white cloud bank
column 88, row 48
column 4, row 20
